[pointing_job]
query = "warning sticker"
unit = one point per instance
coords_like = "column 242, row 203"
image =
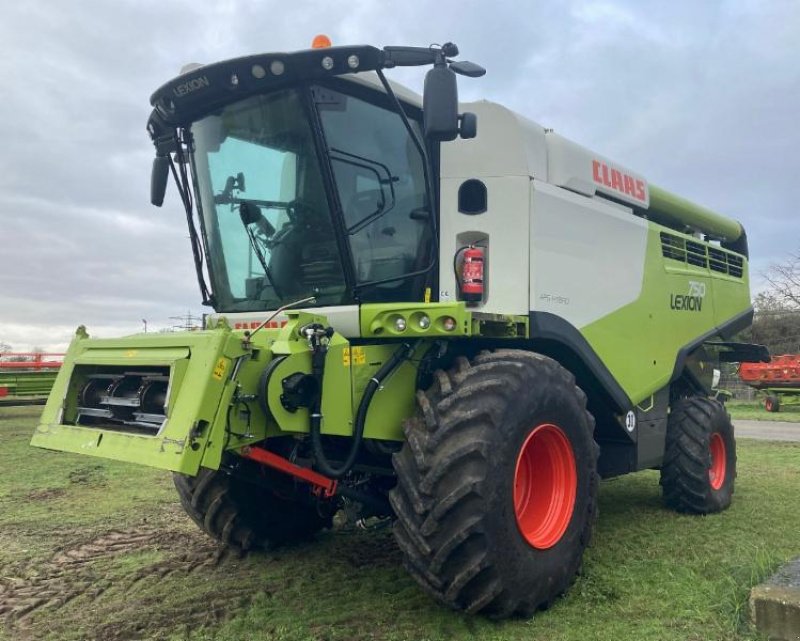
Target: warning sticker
column 220, row 367
column 354, row 355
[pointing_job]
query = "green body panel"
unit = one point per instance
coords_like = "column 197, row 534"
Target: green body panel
column 337, row 397
column 395, row 399
column 378, row 320
column 640, row 342
column 669, row 208
column 348, row 369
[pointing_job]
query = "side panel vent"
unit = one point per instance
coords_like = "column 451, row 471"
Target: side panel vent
column 735, row 265
column 673, row 247
column 698, row 254
column 717, row 260
column 695, row 254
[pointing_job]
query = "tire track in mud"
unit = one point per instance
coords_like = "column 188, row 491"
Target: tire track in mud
column 70, row 574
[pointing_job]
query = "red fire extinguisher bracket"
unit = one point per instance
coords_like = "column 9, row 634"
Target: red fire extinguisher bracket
column 471, row 273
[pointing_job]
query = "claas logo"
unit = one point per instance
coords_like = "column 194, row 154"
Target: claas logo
column 618, row 180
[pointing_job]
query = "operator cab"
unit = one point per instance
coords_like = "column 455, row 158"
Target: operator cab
column 308, row 181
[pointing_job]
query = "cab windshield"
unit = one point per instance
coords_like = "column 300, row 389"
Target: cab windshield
column 270, row 227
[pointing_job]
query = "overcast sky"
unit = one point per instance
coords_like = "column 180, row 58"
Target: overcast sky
column 703, row 98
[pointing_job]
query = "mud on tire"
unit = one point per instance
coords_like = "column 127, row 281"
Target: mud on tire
column 243, row 515
column 699, row 466
column 455, row 499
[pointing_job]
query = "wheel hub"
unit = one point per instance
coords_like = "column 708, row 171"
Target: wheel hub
column 545, row 486
column 716, row 473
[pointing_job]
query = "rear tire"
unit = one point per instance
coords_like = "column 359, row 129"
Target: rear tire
column 772, row 404
column 699, row 467
column 497, row 484
column 244, row 515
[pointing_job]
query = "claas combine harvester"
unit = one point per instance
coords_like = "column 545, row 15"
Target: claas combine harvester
column 437, row 313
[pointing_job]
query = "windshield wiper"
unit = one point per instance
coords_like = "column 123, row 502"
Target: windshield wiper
column 250, row 214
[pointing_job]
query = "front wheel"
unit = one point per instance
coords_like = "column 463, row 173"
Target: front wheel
column 245, row 515
column 699, row 458
column 497, row 484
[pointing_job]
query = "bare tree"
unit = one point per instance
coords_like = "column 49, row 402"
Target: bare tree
column 777, row 320
column 784, row 280
column 4, row 347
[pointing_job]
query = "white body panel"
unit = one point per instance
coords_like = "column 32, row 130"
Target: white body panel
column 576, row 168
column 509, row 150
column 547, row 239
column 502, row 229
column 506, row 145
column 587, row 256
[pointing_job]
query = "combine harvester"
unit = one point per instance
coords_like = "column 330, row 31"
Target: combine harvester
column 779, row 380
column 26, row 378
column 461, row 328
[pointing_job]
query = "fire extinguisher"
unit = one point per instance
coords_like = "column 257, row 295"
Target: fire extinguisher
column 471, row 276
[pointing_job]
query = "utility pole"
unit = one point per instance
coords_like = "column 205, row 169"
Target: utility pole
column 189, row 322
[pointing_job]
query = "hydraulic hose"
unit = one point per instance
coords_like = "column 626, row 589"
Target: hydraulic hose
column 322, row 463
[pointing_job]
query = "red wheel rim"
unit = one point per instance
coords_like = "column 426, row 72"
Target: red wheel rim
column 545, row 486
column 716, row 473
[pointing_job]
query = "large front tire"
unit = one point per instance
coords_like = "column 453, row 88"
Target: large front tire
column 497, row 484
column 245, row 515
column 699, row 457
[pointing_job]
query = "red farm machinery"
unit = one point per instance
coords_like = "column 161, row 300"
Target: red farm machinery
column 779, row 380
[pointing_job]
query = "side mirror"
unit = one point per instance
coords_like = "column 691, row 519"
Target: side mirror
column 469, row 125
column 440, row 104
column 467, row 68
column 158, row 180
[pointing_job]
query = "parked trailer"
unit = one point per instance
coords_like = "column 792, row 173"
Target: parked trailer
column 27, row 377
column 778, row 380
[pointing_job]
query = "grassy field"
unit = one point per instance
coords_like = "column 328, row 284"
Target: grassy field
column 98, row 550
column 755, row 411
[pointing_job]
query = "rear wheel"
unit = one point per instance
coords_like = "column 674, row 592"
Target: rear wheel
column 772, row 404
column 497, row 484
column 245, row 515
column 700, row 457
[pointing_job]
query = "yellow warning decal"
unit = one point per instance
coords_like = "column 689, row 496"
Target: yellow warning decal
column 354, row 355
column 220, row 367
column 131, row 353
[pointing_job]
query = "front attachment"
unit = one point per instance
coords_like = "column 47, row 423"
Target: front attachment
column 148, row 399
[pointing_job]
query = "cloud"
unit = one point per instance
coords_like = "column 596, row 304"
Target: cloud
column 700, row 97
